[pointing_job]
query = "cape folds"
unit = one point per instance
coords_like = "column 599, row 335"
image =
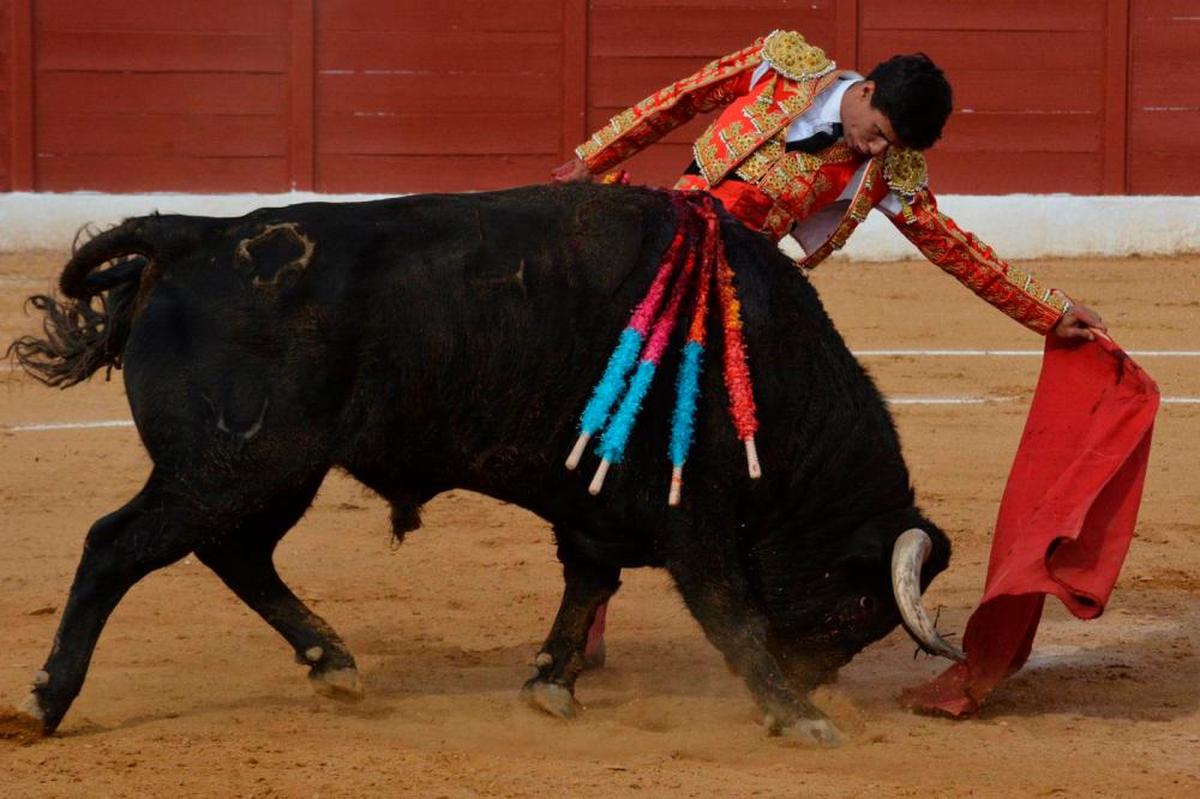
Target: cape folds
column 1067, row 516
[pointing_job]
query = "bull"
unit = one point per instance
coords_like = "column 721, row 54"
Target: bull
column 429, row 343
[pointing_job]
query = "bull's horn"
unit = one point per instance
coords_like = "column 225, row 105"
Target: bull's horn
column 908, row 556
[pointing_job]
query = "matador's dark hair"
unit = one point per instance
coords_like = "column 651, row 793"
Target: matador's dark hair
column 913, row 93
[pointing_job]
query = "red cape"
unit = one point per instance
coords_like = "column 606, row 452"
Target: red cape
column 1067, row 516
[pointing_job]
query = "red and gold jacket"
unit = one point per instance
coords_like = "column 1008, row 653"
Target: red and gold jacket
column 742, row 158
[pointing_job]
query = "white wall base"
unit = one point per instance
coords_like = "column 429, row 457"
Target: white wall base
column 1051, row 225
column 1016, row 225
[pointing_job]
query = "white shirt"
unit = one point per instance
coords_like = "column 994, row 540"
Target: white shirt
column 826, row 108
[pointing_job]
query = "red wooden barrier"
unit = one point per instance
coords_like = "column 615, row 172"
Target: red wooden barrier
column 1116, row 98
column 137, row 95
column 1084, row 96
column 302, row 78
column 20, row 76
column 1164, row 114
column 426, row 97
column 574, row 75
column 1029, row 89
column 6, row 41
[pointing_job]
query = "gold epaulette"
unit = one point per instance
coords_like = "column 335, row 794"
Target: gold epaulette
column 792, row 57
column 905, row 171
column 906, row 174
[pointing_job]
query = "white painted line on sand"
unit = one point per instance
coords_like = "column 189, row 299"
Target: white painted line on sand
column 997, row 400
column 49, row 426
column 945, row 400
column 1007, row 353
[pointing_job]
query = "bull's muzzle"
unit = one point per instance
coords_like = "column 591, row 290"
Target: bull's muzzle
column 908, row 556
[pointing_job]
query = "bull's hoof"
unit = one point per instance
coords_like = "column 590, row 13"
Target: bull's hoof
column 818, row 732
column 548, row 697
column 340, row 684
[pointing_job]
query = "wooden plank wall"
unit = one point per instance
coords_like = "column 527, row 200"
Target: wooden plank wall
column 5, row 94
column 19, row 72
column 426, row 96
column 1164, row 107
column 1083, row 96
column 1028, row 78
column 137, row 95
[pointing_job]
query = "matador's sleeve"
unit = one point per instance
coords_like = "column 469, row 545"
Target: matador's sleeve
column 975, row 265
column 714, row 86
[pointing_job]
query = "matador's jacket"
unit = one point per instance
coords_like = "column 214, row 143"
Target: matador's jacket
column 743, row 159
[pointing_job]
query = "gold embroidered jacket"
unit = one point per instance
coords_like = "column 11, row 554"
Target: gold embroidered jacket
column 743, row 159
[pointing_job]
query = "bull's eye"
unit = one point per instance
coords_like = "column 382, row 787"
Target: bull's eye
column 867, row 603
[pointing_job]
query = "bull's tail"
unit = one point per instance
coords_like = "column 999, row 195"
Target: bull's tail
column 86, row 330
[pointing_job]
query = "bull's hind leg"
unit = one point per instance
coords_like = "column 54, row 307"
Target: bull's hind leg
column 587, row 587
column 146, row 534
column 722, row 602
column 244, row 563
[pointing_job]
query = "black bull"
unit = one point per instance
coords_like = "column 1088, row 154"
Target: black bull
column 429, row 343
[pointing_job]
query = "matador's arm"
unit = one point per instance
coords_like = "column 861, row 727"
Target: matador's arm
column 1014, row 291
column 714, row 86
column 913, row 209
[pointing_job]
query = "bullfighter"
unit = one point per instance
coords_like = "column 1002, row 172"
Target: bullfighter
column 804, row 148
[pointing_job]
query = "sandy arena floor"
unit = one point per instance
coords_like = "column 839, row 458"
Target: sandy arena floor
column 190, row 694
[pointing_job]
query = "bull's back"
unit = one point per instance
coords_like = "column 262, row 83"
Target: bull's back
column 451, row 340
column 502, row 312
column 481, row 323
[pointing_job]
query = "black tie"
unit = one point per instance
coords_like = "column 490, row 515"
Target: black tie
column 813, row 144
column 818, row 141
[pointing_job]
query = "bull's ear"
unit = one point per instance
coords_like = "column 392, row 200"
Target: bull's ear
column 275, row 255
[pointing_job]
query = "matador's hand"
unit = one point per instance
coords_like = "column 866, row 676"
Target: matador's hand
column 1080, row 322
column 574, row 171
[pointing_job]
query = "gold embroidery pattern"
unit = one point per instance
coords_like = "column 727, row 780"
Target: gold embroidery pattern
column 767, row 120
column 738, row 141
column 721, row 67
column 766, row 96
column 792, row 57
column 820, row 185
column 905, row 171
column 708, row 158
column 864, row 200
column 767, row 117
column 1018, row 278
column 793, row 177
column 705, row 150
column 759, row 161
column 838, row 153
column 607, row 134
column 974, row 264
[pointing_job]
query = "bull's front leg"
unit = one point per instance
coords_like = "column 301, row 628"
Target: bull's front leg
column 722, row 602
column 587, row 588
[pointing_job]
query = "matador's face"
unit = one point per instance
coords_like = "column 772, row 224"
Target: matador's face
column 866, row 129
